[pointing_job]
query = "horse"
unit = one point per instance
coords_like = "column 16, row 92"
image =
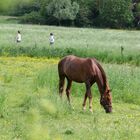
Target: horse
column 88, row 71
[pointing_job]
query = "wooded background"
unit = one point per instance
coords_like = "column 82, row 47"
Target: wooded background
column 79, row 13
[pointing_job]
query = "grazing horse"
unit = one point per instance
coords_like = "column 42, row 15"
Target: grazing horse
column 88, row 71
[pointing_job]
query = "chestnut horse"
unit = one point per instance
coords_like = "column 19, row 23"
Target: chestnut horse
column 88, row 71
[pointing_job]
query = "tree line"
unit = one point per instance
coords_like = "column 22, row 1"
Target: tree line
column 80, row 13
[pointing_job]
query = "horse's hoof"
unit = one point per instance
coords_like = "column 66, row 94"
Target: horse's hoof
column 91, row 110
column 84, row 108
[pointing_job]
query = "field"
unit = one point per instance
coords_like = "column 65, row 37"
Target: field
column 30, row 108
column 103, row 44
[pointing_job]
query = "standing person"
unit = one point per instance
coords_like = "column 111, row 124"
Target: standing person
column 18, row 37
column 51, row 39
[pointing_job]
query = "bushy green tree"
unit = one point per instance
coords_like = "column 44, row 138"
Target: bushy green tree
column 136, row 12
column 62, row 10
column 116, row 13
column 83, row 18
column 22, row 7
column 82, row 13
column 33, row 17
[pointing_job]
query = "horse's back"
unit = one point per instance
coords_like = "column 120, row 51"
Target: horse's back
column 71, row 61
column 76, row 62
column 77, row 69
column 63, row 61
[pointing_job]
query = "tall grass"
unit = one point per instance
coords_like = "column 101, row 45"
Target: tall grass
column 124, row 82
column 30, row 108
column 103, row 56
column 105, row 45
column 8, row 20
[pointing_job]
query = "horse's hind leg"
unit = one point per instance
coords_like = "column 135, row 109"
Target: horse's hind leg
column 61, row 84
column 68, row 89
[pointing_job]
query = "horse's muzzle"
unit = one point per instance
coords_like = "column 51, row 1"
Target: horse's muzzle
column 108, row 109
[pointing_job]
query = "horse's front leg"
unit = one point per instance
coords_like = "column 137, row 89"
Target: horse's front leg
column 84, row 103
column 68, row 90
column 90, row 101
column 61, row 85
column 89, row 95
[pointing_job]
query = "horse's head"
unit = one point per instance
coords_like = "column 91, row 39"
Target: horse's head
column 106, row 101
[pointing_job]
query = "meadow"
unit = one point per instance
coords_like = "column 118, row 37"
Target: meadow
column 30, row 108
column 104, row 44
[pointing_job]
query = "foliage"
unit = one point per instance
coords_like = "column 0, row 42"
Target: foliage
column 62, row 10
column 33, row 17
column 25, row 7
column 6, row 4
column 100, row 13
column 116, row 13
column 136, row 13
column 82, row 18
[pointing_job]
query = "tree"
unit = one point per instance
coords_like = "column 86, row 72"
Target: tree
column 136, row 12
column 62, row 10
column 116, row 13
column 33, row 18
column 23, row 7
column 82, row 18
column 84, row 14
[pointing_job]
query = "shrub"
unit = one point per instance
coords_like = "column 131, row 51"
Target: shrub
column 62, row 10
column 116, row 13
column 33, row 17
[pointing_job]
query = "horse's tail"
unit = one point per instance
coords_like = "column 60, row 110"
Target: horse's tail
column 61, row 76
column 102, row 72
column 60, row 67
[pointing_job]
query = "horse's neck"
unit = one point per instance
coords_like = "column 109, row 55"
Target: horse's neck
column 100, row 78
column 101, row 83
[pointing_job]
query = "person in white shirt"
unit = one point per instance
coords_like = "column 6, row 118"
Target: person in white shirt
column 18, row 38
column 51, row 39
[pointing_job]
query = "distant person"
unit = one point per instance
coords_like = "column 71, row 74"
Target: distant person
column 18, row 37
column 51, row 39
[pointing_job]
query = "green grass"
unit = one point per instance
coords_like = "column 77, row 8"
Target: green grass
column 104, row 44
column 30, row 108
column 8, row 20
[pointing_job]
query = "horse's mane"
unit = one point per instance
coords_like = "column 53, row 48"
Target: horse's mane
column 102, row 72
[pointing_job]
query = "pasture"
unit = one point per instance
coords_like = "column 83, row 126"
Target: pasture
column 103, row 44
column 30, row 108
